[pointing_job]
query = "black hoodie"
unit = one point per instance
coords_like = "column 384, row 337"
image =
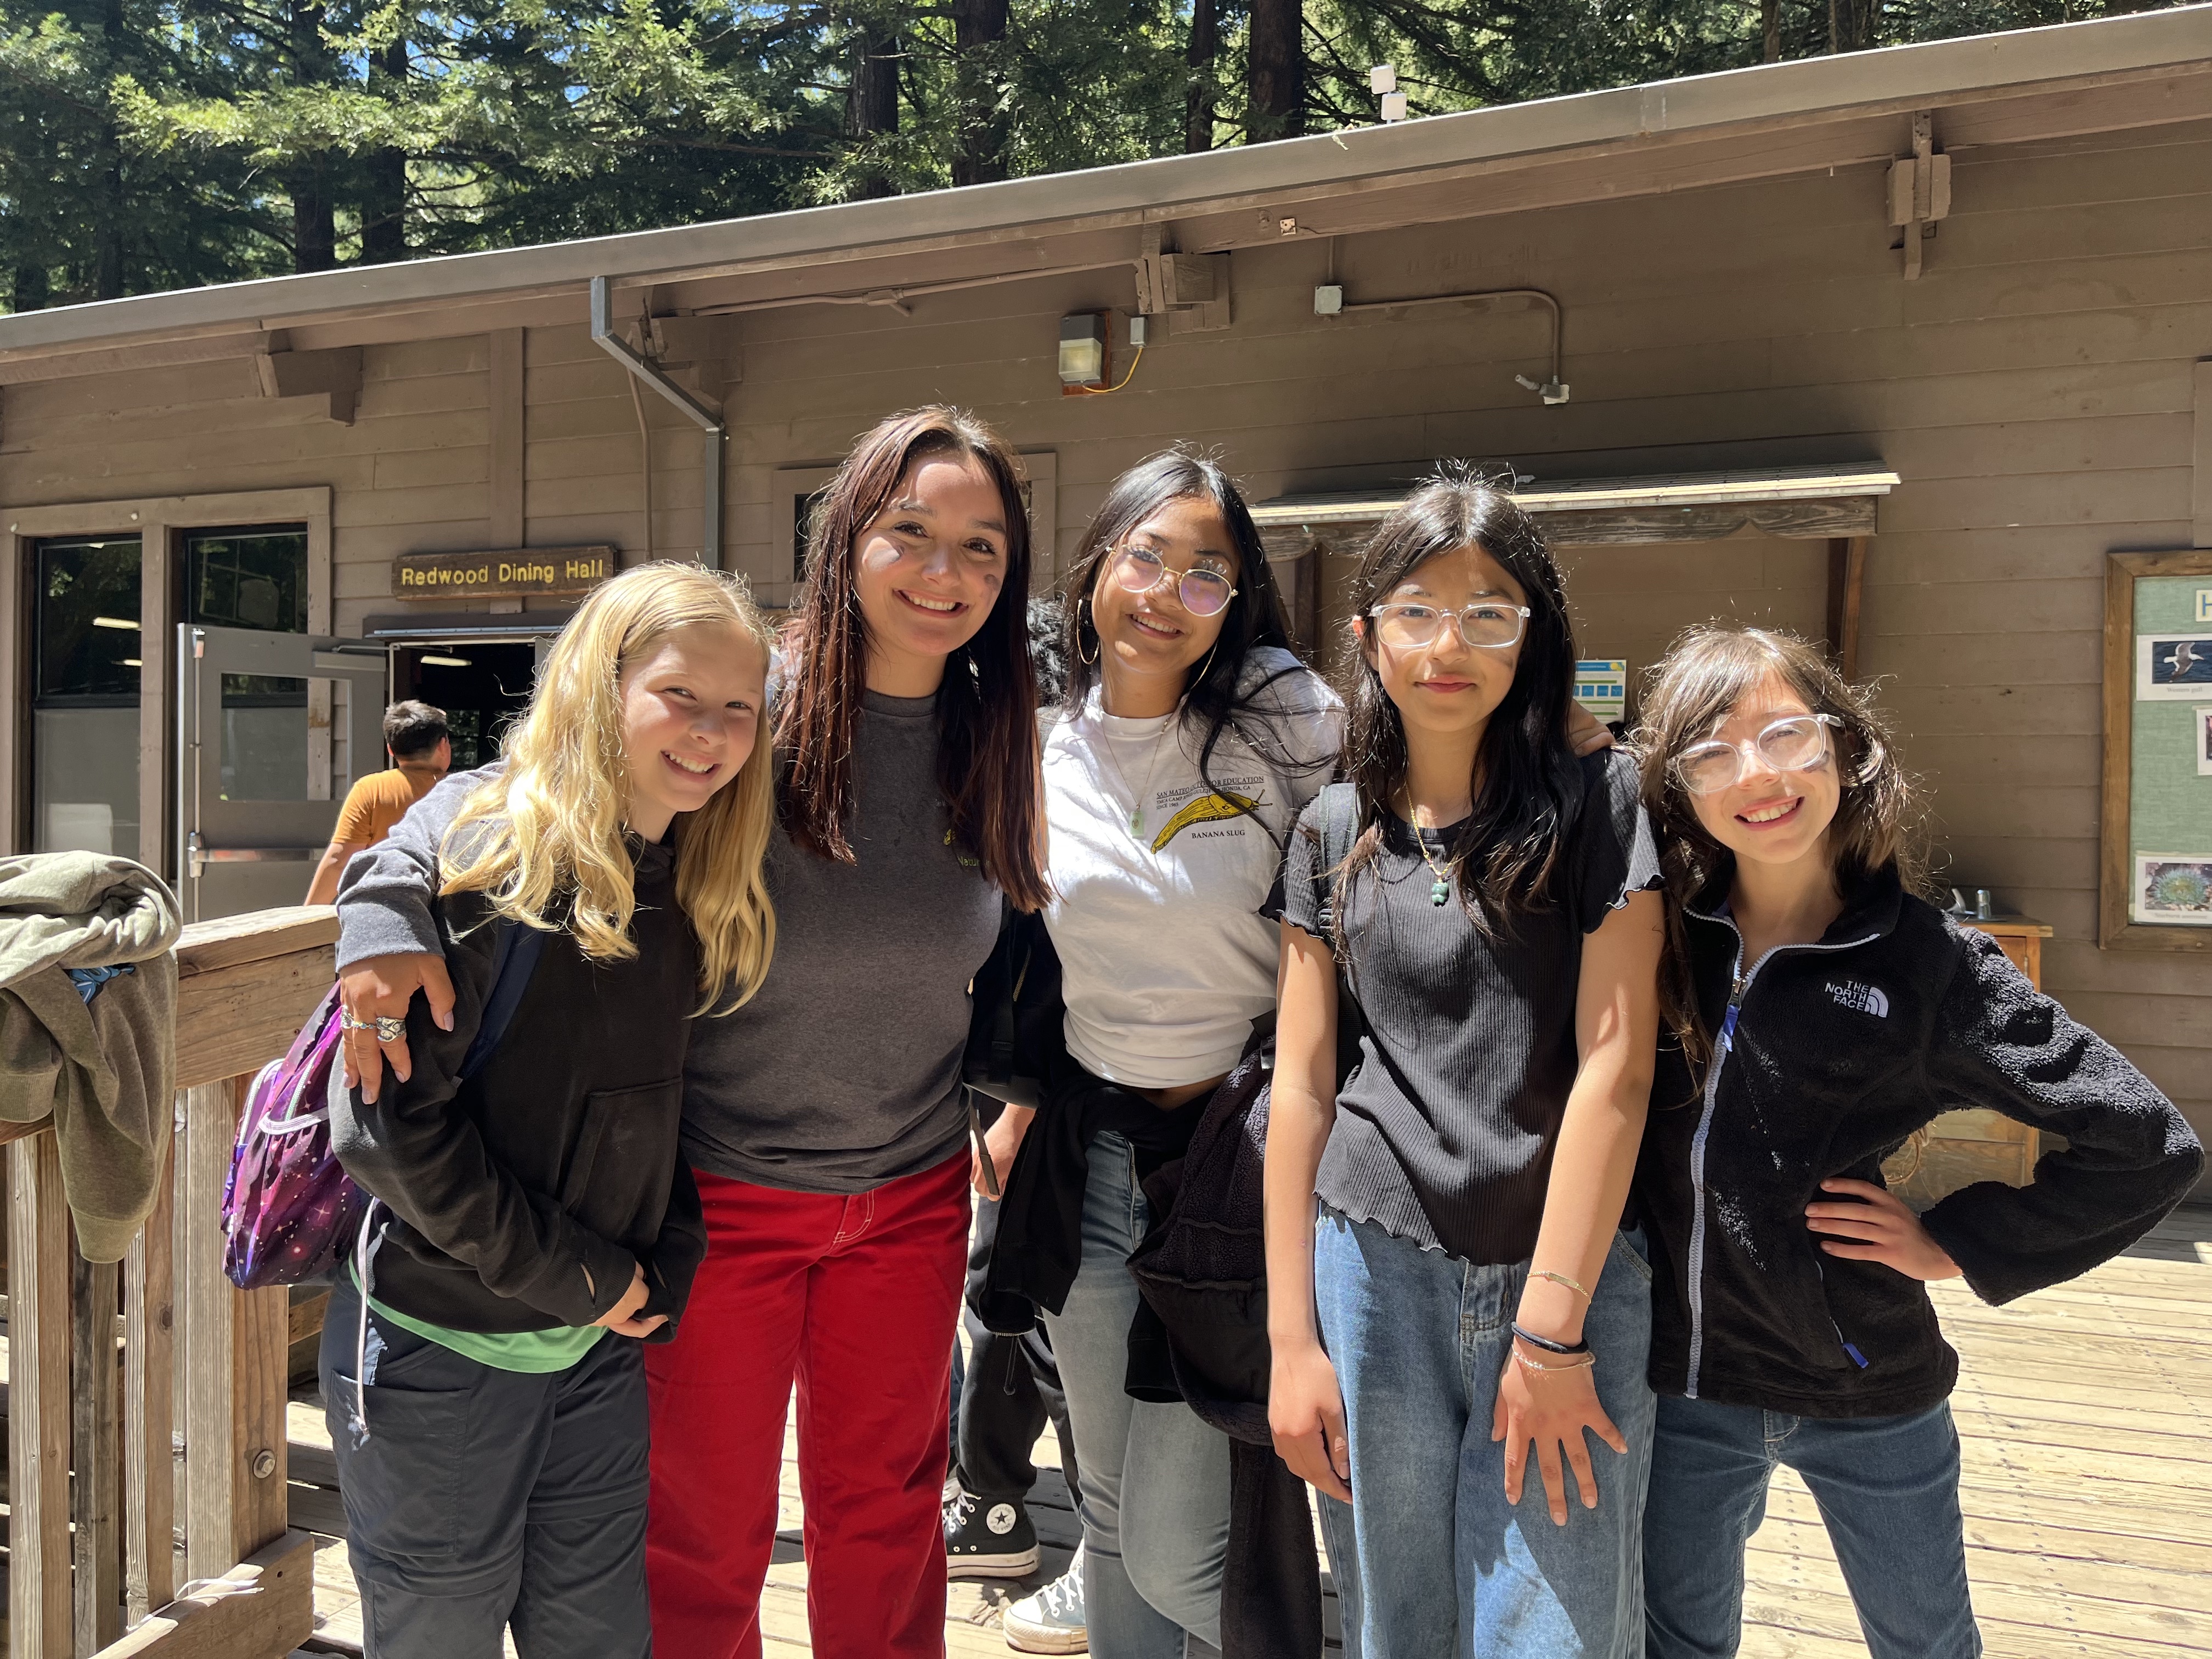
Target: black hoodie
column 1829, row 1056
column 524, row 1196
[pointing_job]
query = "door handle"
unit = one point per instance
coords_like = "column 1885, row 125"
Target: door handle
column 200, row 854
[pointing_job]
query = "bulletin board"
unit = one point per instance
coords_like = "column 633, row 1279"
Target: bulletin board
column 2155, row 879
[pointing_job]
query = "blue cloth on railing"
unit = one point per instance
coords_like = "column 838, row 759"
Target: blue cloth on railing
column 89, row 980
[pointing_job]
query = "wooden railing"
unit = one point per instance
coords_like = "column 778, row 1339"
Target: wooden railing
column 130, row 1477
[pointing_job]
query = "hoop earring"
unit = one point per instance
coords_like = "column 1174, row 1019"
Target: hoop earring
column 1081, row 621
column 1200, row 676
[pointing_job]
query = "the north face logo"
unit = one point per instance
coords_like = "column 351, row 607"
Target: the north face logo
column 1867, row 998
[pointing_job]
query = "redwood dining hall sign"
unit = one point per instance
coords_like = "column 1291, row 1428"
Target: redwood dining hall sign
column 517, row 573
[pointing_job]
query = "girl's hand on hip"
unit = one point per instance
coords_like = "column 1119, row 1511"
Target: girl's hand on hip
column 1882, row 1229
column 1305, row 1411
column 1553, row 1410
column 381, row 987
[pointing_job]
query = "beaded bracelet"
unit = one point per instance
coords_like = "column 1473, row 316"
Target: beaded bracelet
column 1547, row 1344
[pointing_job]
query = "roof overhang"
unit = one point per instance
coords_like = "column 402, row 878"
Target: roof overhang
column 1770, row 121
column 1800, row 503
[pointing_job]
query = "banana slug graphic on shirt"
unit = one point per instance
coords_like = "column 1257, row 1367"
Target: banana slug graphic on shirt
column 1203, row 809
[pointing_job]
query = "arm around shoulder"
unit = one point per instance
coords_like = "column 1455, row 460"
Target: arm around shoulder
column 2001, row 1044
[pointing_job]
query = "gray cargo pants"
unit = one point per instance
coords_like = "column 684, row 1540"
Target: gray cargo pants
column 482, row 1499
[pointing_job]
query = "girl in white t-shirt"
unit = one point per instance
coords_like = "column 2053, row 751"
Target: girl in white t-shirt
column 1188, row 742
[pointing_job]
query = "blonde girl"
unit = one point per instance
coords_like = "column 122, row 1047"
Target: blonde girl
column 535, row 1223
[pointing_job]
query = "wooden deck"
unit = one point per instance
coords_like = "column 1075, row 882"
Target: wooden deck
column 2086, row 1417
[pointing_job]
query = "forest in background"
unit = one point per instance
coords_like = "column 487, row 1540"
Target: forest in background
column 156, row 144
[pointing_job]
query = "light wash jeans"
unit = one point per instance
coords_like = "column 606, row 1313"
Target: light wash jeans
column 1888, row 1491
column 1153, row 1479
column 1430, row 1560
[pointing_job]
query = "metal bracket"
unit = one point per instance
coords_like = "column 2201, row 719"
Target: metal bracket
column 1919, row 192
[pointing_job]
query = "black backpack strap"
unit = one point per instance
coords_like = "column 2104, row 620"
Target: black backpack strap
column 515, row 951
column 1339, row 827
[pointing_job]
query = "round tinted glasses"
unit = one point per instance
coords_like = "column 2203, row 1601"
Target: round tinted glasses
column 1796, row 743
column 1141, row 570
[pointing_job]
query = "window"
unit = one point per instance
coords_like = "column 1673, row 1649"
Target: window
column 84, row 696
column 251, row 578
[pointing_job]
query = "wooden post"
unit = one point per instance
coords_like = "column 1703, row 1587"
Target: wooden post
column 38, row 1402
column 235, row 1450
column 149, row 1487
column 95, row 1541
column 1847, row 559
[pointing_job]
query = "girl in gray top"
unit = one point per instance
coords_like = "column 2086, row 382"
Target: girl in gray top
column 824, row 1118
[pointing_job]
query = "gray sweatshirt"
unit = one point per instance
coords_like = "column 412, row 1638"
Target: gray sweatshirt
column 843, row 1072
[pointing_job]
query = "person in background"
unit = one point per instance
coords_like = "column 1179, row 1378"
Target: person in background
column 422, row 751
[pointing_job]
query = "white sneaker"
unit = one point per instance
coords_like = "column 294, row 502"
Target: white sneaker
column 1051, row 1621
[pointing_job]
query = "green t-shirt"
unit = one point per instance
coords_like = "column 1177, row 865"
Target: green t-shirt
column 505, row 1351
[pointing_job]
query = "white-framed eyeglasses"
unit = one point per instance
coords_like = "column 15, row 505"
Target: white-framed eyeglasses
column 1204, row 592
column 1795, row 743
column 1487, row 624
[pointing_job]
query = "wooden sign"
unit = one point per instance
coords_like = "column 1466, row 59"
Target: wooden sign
column 514, row 573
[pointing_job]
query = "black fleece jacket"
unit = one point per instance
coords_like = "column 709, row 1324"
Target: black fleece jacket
column 1834, row 1053
column 523, row 1194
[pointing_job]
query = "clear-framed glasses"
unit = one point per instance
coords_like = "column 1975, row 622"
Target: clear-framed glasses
column 1204, row 592
column 1487, row 624
column 1796, row 743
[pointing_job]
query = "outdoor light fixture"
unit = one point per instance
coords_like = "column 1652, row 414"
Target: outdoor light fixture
column 1382, row 81
column 1553, row 390
column 1082, row 352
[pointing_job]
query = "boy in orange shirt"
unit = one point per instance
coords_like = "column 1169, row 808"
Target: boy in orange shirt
column 415, row 738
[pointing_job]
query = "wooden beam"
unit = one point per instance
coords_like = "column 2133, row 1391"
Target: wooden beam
column 208, row 1303
column 228, row 941
column 38, row 1612
column 234, row 1020
column 2200, row 485
column 95, row 1457
column 1847, row 558
column 504, row 419
column 149, row 1487
column 272, row 1613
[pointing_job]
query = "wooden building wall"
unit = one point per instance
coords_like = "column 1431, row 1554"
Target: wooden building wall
column 2034, row 389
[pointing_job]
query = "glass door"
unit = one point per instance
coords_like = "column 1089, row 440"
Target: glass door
column 257, row 794
column 84, row 696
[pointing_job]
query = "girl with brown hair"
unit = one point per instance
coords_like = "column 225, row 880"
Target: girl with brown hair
column 825, row 1119
column 1820, row 1014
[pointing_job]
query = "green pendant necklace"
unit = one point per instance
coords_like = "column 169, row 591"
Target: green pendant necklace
column 1440, row 889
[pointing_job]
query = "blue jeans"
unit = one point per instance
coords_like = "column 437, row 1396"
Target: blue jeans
column 485, row 1501
column 1888, row 1491
column 1153, row 1479
column 1430, row 1559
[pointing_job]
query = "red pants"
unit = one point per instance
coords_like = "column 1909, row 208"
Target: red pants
column 857, row 1299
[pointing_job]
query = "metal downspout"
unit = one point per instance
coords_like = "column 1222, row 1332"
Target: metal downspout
column 604, row 337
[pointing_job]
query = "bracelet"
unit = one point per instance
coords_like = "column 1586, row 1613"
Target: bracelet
column 1547, row 1345
column 1559, row 1279
column 1584, row 1362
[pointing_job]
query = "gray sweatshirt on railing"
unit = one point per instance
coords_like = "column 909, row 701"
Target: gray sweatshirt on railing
column 843, row 1072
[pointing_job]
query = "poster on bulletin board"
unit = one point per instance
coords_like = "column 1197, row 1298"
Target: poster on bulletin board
column 2157, row 877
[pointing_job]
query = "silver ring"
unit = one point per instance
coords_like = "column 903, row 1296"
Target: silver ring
column 390, row 1028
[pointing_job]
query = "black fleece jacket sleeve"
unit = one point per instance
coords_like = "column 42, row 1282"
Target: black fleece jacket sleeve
column 2001, row 1045
column 430, row 1166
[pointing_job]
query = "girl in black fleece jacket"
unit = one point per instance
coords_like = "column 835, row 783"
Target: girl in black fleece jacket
column 1820, row 1014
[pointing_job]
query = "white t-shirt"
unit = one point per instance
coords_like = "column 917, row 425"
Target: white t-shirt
column 1166, row 958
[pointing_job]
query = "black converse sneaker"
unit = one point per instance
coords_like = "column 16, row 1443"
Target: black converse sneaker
column 985, row 1540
